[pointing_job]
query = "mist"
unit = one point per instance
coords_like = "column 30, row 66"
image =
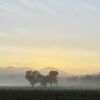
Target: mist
column 16, row 77
column 79, row 84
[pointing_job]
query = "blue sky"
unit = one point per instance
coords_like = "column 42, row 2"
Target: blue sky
column 70, row 25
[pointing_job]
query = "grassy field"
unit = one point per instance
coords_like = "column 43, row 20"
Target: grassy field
column 28, row 93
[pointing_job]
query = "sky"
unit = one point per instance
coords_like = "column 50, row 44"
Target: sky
column 51, row 33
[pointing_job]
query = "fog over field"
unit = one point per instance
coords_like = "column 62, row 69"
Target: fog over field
column 16, row 77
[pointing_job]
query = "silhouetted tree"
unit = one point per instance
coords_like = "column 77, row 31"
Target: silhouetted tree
column 28, row 76
column 52, row 78
column 35, row 77
column 31, row 76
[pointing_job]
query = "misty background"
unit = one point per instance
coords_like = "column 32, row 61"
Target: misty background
column 11, row 76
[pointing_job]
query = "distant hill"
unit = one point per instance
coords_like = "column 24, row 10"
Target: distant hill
column 45, row 71
column 21, row 70
column 13, row 70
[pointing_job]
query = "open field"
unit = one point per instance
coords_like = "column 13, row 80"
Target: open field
column 26, row 93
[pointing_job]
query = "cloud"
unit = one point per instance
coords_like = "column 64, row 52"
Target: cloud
column 4, row 6
column 55, row 2
column 10, row 7
column 85, row 7
column 89, row 7
column 3, row 35
column 28, row 3
column 38, row 5
column 43, row 6
column 77, row 9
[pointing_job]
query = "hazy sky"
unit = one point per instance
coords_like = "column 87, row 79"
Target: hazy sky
column 51, row 33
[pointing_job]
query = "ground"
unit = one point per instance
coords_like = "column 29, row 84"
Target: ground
column 27, row 93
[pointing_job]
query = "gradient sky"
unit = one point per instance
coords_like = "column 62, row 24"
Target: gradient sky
column 51, row 33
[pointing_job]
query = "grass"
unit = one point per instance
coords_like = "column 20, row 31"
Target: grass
column 28, row 93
